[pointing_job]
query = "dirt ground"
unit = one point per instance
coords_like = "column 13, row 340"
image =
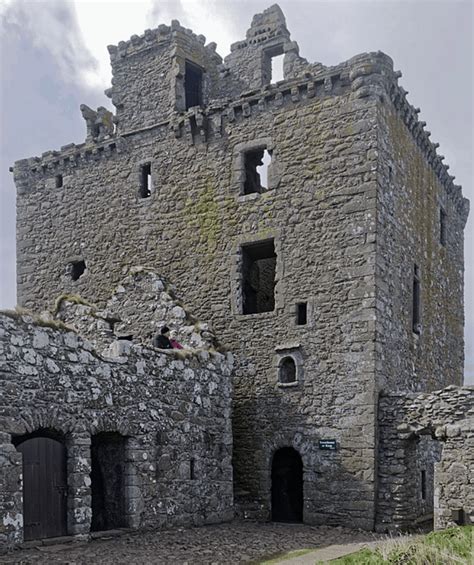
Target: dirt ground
column 235, row 542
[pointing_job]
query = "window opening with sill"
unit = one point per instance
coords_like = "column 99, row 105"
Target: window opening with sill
column 256, row 163
column 258, row 277
column 193, row 85
column 287, row 371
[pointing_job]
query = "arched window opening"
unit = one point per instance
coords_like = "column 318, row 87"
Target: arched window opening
column 287, row 371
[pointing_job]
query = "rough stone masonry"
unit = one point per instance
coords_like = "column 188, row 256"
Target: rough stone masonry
column 336, row 278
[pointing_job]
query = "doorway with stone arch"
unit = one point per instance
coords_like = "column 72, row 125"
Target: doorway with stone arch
column 287, row 486
column 44, row 484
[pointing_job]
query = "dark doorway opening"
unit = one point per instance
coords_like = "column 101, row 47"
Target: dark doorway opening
column 258, row 277
column 44, row 486
column 108, row 481
column 287, row 486
column 193, row 85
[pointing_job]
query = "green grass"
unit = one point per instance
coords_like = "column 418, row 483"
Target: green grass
column 452, row 546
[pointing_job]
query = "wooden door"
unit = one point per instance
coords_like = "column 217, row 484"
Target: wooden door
column 44, row 488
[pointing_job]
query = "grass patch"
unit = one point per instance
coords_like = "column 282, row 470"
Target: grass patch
column 74, row 298
column 452, row 546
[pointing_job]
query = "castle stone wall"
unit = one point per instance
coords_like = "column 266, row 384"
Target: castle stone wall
column 431, row 432
column 345, row 242
column 171, row 408
column 409, row 205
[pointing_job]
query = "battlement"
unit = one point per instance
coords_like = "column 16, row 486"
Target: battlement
column 163, row 34
column 363, row 76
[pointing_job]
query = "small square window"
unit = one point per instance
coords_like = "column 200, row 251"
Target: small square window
column 76, row 269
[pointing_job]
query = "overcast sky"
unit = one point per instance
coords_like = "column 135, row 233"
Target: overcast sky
column 54, row 57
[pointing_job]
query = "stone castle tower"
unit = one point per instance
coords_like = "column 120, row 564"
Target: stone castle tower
column 336, row 278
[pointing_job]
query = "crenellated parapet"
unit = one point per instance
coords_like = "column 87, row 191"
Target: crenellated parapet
column 149, row 93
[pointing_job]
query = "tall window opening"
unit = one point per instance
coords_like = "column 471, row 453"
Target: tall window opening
column 287, row 371
column 273, row 65
column 277, row 68
column 258, row 277
column 59, row 181
column 146, row 185
column 442, row 226
column 301, row 314
column 416, row 316
column 193, row 85
column 256, row 163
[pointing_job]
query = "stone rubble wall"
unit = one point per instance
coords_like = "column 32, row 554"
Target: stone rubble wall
column 435, row 430
column 139, row 307
column 171, row 406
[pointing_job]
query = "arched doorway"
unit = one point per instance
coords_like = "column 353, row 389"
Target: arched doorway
column 44, row 486
column 287, row 486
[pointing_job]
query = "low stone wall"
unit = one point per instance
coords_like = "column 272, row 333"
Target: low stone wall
column 172, row 408
column 426, row 458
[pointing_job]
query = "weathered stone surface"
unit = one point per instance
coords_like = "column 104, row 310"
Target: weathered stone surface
column 143, row 395
column 431, row 433
column 353, row 201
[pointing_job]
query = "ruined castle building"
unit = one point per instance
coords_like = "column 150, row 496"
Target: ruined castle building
column 310, row 221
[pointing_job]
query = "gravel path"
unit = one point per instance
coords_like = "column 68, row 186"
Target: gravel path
column 235, row 542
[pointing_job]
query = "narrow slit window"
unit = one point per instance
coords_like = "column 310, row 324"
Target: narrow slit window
column 301, row 314
column 423, row 485
column 146, row 185
column 258, row 277
column 76, row 269
column 192, row 470
column 193, row 85
column 256, row 163
column 416, row 300
column 59, row 181
column 442, row 226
